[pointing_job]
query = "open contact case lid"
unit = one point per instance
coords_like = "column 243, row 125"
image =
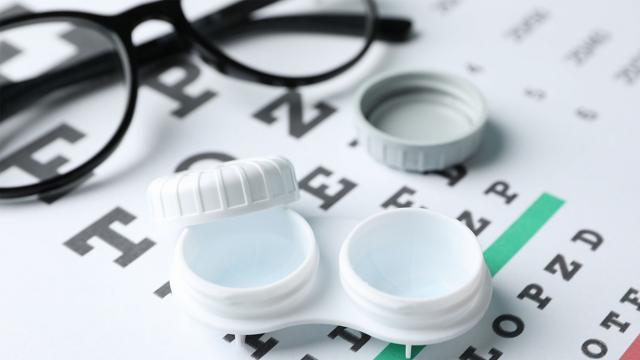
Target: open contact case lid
column 231, row 189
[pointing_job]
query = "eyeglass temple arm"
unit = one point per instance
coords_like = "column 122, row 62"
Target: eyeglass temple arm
column 16, row 96
column 388, row 29
column 391, row 29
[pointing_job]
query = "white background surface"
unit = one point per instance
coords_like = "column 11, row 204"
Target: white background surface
column 57, row 304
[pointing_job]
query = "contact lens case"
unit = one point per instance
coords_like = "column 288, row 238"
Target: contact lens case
column 246, row 264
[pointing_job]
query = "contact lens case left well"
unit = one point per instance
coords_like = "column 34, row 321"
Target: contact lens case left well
column 245, row 264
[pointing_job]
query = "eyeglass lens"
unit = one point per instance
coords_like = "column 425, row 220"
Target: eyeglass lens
column 48, row 106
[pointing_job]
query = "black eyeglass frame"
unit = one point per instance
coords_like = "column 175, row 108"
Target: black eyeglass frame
column 121, row 27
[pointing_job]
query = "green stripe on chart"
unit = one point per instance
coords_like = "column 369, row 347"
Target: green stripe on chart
column 522, row 230
column 499, row 253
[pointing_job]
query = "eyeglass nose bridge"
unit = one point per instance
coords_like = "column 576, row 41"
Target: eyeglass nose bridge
column 171, row 12
column 166, row 11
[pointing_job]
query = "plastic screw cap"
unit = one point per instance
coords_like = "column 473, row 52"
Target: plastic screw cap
column 231, row 189
column 420, row 121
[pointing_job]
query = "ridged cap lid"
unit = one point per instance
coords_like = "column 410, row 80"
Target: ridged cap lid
column 231, row 189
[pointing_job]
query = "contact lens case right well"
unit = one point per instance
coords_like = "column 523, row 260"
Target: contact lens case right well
column 246, row 264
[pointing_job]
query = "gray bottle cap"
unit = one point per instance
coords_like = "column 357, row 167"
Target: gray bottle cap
column 420, row 121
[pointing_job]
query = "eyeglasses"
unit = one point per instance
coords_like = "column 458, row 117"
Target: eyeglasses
column 54, row 97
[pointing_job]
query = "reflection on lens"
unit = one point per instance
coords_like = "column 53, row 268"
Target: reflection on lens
column 63, row 93
column 295, row 38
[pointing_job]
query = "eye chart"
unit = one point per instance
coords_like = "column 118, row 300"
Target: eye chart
column 552, row 194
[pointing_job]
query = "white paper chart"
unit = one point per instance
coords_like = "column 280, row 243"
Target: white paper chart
column 552, row 194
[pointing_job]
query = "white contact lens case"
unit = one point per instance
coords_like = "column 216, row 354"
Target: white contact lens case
column 247, row 265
